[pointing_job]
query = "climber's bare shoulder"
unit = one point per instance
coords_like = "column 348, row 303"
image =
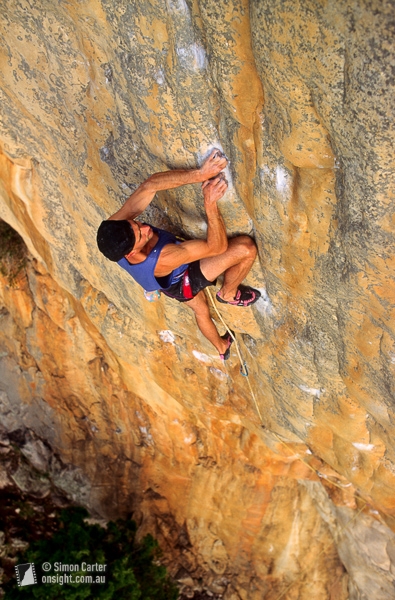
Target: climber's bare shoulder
column 173, row 256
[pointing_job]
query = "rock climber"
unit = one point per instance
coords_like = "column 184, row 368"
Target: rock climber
column 156, row 259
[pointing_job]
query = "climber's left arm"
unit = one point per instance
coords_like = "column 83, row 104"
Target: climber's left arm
column 168, row 180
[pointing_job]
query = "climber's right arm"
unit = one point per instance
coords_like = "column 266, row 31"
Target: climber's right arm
column 175, row 255
column 168, row 180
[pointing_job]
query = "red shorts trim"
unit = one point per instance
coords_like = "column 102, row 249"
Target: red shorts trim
column 197, row 282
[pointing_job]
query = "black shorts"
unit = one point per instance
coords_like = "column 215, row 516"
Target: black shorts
column 197, row 280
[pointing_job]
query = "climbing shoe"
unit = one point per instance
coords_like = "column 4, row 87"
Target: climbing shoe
column 229, row 339
column 245, row 297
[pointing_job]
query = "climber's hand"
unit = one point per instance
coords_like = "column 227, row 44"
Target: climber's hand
column 213, row 165
column 214, row 189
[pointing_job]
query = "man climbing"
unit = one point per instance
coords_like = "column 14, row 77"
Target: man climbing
column 156, row 259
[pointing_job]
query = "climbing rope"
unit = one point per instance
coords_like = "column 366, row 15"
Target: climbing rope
column 244, row 372
column 243, row 366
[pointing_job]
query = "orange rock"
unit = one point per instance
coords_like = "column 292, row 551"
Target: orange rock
column 97, row 96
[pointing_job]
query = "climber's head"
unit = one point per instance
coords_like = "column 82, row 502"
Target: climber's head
column 115, row 239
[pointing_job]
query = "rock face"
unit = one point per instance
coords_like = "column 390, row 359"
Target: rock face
column 95, row 97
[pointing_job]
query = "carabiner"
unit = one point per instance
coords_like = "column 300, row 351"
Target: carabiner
column 244, row 370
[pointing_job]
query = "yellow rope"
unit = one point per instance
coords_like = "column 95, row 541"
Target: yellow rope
column 318, row 473
column 244, row 371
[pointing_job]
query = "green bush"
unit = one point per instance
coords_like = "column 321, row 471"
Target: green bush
column 13, row 253
column 132, row 573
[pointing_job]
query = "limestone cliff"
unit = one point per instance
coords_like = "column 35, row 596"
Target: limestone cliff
column 98, row 94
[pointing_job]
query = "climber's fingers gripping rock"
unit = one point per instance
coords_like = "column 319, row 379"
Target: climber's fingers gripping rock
column 213, row 164
column 214, row 189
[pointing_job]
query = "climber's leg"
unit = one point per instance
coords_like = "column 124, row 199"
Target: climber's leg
column 199, row 305
column 235, row 263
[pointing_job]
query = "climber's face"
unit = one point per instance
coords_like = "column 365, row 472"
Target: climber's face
column 143, row 234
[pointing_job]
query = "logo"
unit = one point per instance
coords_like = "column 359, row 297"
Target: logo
column 26, row 574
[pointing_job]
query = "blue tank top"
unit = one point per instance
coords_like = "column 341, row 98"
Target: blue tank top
column 143, row 272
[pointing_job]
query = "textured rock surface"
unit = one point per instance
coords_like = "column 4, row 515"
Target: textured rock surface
column 95, row 97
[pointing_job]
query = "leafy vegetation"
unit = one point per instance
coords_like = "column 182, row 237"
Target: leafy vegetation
column 13, row 253
column 133, row 571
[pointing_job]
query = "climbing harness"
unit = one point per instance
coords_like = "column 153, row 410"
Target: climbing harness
column 186, row 286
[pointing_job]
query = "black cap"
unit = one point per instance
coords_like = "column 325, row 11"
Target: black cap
column 115, row 239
